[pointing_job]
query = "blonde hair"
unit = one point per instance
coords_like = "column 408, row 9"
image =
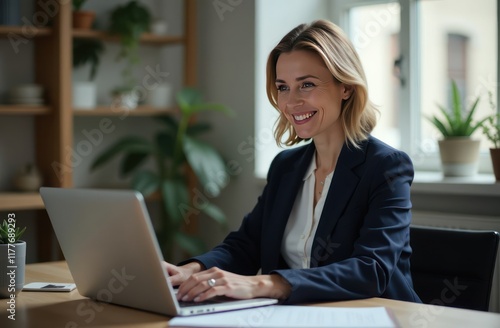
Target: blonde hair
column 358, row 114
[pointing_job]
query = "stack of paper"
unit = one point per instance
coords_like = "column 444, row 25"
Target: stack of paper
column 278, row 316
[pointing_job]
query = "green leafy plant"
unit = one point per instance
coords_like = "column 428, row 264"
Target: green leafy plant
column 7, row 236
column 491, row 126
column 176, row 150
column 87, row 51
column 78, row 4
column 129, row 22
column 457, row 122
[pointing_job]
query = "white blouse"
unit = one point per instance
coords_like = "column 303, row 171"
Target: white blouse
column 303, row 221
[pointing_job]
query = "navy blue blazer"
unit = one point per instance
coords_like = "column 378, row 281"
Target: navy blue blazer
column 361, row 247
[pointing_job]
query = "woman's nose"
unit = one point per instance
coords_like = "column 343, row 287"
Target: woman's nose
column 294, row 99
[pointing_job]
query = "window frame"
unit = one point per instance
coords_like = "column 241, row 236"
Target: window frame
column 410, row 115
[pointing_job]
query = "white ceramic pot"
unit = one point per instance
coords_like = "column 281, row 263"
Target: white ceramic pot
column 84, row 95
column 160, row 96
column 459, row 156
column 12, row 269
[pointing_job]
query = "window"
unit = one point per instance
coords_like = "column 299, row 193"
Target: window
column 411, row 50
column 374, row 31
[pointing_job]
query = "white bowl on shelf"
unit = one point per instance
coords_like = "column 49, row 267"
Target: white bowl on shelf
column 26, row 91
column 26, row 101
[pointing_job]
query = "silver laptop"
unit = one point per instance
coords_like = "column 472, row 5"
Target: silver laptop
column 108, row 241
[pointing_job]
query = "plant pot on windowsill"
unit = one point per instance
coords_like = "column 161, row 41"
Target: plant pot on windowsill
column 459, row 156
column 495, row 162
column 491, row 129
column 458, row 151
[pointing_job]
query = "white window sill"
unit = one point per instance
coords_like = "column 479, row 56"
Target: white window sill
column 435, row 183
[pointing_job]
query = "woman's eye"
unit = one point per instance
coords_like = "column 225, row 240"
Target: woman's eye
column 281, row 88
column 307, row 85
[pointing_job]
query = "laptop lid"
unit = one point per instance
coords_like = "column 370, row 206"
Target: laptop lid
column 109, row 243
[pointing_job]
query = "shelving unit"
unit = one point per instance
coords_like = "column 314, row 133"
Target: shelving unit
column 5, row 31
column 138, row 111
column 24, row 110
column 54, row 123
column 146, row 38
column 11, row 201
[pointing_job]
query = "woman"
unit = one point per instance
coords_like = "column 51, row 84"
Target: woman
column 333, row 220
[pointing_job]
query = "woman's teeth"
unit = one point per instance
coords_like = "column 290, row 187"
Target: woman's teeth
column 303, row 116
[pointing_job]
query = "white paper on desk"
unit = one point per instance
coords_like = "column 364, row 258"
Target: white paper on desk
column 277, row 316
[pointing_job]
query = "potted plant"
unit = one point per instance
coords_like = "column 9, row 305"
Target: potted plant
column 86, row 52
column 129, row 22
column 82, row 19
column 458, row 151
column 12, row 258
column 176, row 151
column 491, row 129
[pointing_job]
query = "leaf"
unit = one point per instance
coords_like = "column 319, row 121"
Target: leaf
column 188, row 97
column 193, row 245
column 87, row 51
column 165, row 143
column 191, row 102
column 214, row 213
column 198, row 128
column 146, row 182
column 206, row 163
column 200, row 108
column 456, row 104
column 127, row 144
column 170, row 122
column 131, row 161
column 457, row 121
column 175, row 197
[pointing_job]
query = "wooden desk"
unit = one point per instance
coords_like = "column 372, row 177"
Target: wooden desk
column 70, row 310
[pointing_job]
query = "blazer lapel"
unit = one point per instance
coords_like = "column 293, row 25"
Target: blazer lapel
column 343, row 184
column 286, row 193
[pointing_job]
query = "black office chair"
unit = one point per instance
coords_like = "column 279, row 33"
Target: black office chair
column 453, row 267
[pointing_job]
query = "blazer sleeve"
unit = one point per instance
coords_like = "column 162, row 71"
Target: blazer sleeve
column 376, row 251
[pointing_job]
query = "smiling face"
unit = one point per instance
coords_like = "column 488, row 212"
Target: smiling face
column 309, row 96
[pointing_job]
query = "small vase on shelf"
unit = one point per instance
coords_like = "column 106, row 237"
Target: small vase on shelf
column 28, row 179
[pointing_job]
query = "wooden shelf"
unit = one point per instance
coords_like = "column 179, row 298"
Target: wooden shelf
column 24, row 110
column 139, row 111
column 24, row 31
column 15, row 201
column 146, row 38
column 54, row 123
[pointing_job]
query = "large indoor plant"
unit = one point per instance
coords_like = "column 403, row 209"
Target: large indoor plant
column 459, row 152
column 129, row 22
column 491, row 129
column 12, row 258
column 176, row 151
column 86, row 52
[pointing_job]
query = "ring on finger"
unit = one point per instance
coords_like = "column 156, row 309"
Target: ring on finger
column 211, row 282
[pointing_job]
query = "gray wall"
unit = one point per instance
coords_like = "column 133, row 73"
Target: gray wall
column 226, row 75
column 228, row 42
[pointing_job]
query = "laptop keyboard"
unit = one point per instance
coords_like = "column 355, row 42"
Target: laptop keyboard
column 215, row 300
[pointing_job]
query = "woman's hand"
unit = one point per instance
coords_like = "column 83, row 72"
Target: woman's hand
column 179, row 274
column 197, row 288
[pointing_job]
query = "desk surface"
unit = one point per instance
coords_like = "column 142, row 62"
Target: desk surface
column 46, row 309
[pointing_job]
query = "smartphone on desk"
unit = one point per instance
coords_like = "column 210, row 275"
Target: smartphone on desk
column 48, row 287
